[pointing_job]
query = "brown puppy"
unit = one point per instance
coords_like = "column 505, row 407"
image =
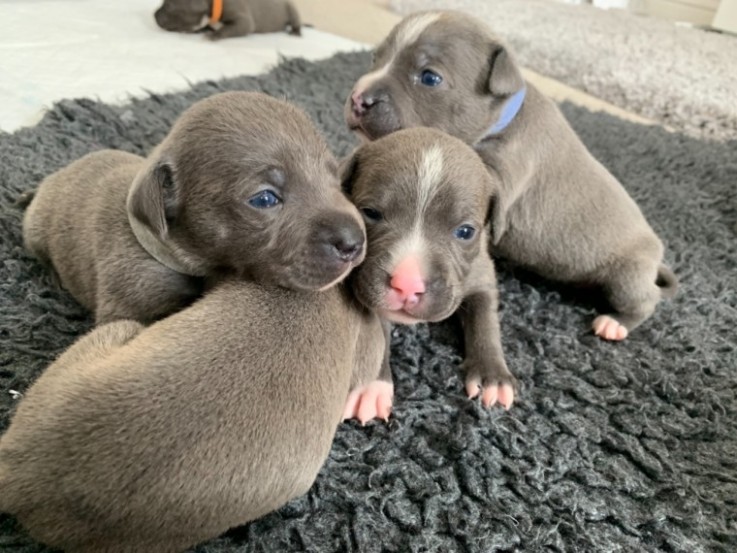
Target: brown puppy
column 151, row 440
column 560, row 212
column 131, row 238
column 426, row 199
column 228, row 18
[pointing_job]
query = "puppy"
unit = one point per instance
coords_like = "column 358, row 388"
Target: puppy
column 153, row 439
column 560, row 212
column 132, row 238
column 228, row 18
column 426, row 197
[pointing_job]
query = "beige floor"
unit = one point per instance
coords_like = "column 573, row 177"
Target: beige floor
column 369, row 21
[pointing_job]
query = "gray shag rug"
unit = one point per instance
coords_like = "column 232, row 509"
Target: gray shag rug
column 611, row 447
column 681, row 77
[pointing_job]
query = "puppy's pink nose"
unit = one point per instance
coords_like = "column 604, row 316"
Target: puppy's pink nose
column 407, row 280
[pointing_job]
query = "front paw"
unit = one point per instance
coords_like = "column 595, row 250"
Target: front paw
column 492, row 380
column 374, row 400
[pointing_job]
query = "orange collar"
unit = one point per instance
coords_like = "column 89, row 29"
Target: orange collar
column 217, row 11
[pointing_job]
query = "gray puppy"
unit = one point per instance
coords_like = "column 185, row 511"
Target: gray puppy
column 426, row 199
column 131, row 238
column 228, row 18
column 560, row 212
column 153, row 439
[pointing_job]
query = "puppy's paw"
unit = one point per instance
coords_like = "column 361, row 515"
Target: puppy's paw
column 608, row 328
column 494, row 385
column 374, row 400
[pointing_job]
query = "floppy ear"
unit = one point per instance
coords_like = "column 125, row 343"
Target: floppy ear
column 505, row 77
column 152, row 198
column 348, row 172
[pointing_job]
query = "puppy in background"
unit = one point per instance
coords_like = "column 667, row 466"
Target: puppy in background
column 559, row 211
column 426, row 198
column 228, row 18
column 154, row 439
column 133, row 238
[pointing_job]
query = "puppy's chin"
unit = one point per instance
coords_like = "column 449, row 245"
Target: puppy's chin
column 402, row 316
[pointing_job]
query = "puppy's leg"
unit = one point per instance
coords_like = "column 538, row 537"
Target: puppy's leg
column 485, row 367
column 242, row 25
column 632, row 290
column 371, row 395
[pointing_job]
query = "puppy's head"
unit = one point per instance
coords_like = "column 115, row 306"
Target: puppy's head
column 245, row 183
column 425, row 197
column 183, row 16
column 435, row 69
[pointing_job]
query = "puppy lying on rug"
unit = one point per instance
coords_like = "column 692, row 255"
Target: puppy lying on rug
column 426, row 198
column 131, row 238
column 151, row 440
column 228, row 18
column 559, row 211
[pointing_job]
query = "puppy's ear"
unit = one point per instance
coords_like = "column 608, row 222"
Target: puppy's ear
column 152, row 198
column 496, row 216
column 505, row 77
column 348, row 172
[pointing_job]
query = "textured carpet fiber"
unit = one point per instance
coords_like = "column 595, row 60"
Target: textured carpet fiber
column 684, row 78
column 611, row 447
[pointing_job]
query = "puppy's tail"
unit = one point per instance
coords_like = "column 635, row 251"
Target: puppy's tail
column 25, row 199
column 667, row 281
column 295, row 22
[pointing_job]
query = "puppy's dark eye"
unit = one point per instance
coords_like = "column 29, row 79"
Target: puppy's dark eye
column 464, row 232
column 371, row 214
column 430, row 78
column 264, row 200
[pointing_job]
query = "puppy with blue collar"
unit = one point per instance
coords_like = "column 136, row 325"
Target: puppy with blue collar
column 559, row 212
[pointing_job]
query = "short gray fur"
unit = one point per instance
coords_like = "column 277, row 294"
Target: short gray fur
column 610, row 447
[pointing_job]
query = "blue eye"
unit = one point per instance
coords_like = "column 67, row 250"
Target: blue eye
column 371, row 214
column 430, row 78
column 264, row 200
column 464, row 232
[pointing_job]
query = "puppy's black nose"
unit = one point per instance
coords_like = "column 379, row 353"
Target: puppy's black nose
column 342, row 240
column 347, row 243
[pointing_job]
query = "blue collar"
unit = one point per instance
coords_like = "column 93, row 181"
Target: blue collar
column 510, row 109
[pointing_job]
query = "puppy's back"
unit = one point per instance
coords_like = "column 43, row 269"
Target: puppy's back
column 59, row 223
column 208, row 419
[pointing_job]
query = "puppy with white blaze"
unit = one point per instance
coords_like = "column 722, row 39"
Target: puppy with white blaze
column 425, row 197
column 559, row 213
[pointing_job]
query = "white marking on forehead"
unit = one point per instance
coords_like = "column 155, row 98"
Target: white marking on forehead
column 408, row 33
column 429, row 176
column 412, row 28
column 365, row 82
column 413, row 244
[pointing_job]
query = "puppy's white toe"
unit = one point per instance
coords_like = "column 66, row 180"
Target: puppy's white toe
column 374, row 400
column 608, row 328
